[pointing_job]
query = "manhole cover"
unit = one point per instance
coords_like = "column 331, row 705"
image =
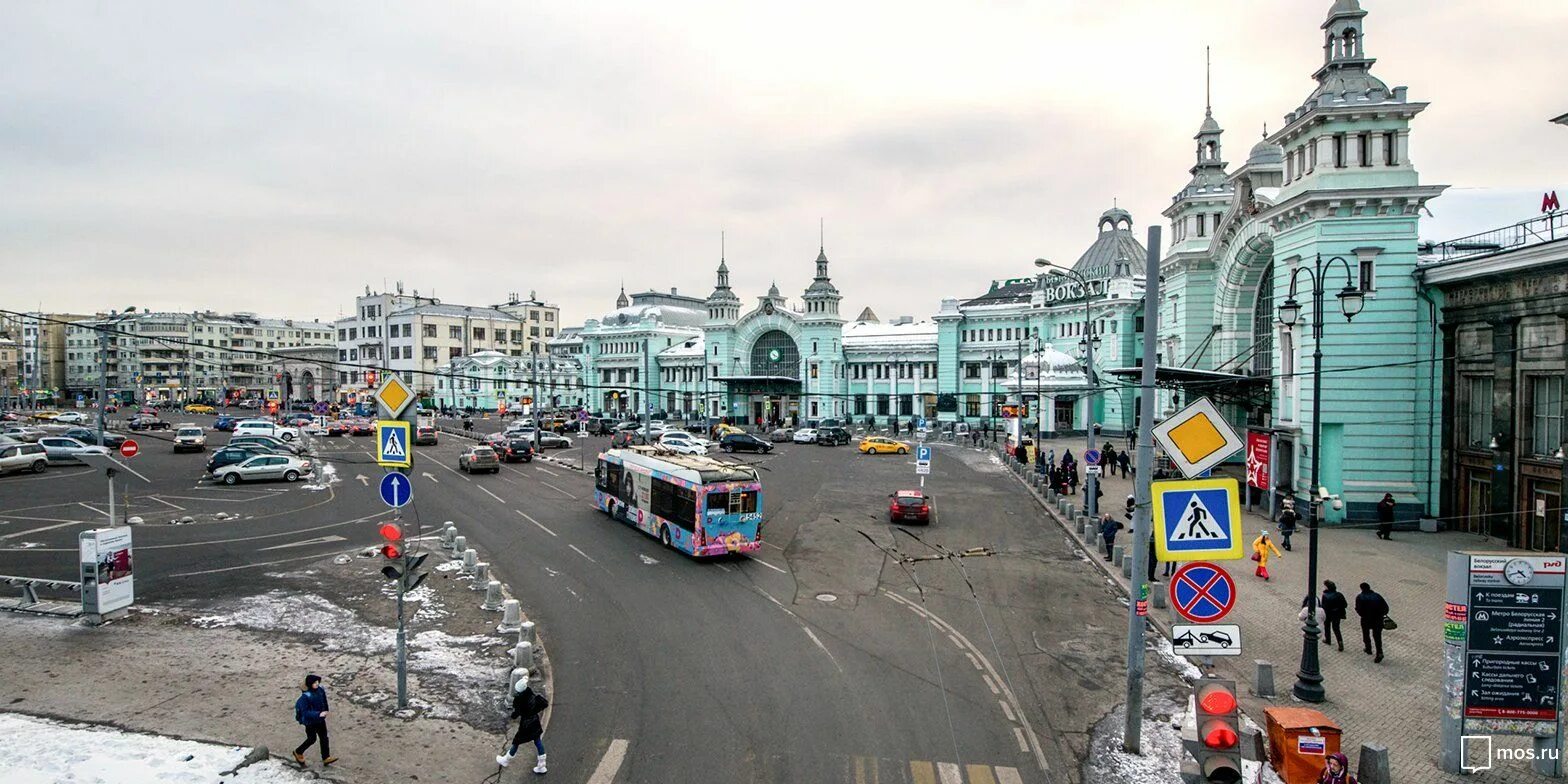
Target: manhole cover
column 826, row 597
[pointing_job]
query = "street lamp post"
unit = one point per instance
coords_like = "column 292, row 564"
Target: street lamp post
column 1091, row 503
column 1309, row 678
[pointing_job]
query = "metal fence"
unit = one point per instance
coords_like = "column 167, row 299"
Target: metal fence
column 1548, row 227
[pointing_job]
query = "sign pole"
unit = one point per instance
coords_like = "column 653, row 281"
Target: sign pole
column 402, row 630
column 1132, row 733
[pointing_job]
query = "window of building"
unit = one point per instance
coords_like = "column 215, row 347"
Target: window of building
column 998, row 369
column 454, row 352
column 882, row 401
column 1312, row 155
column 1339, row 151
column 1364, row 148
column 971, row 370
column 479, row 333
column 429, row 330
column 814, row 371
column 1478, row 407
column 1367, row 276
column 533, row 332
column 971, row 405
column 860, row 404
column 1390, row 153
column 1546, row 414
column 549, row 315
column 454, row 332
column 430, row 352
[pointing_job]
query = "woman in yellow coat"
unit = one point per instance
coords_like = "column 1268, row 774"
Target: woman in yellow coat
column 1261, row 547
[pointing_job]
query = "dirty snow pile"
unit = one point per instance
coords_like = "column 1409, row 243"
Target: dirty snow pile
column 326, row 476
column 1162, row 753
column 40, row 751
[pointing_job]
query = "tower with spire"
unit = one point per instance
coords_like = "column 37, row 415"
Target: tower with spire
column 822, row 296
column 622, row 301
column 723, row 305
column 1196, row 209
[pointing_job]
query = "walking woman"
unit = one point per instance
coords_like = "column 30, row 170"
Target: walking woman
column 1261, row 547
column 526, row 707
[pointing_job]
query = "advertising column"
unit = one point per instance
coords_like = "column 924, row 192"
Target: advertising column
column 108, row 586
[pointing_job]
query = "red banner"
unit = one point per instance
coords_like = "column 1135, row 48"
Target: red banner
column 1258, row 446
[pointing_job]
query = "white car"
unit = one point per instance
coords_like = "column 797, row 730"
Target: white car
column 681, row 447
column 260, row 467
column 189, row 437
column 261, row 427
column 669, row 437
column 71, row 418
column 68, row 450
column 806, row 435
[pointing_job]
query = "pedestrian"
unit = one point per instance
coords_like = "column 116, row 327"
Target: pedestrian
column 1373, row 609
column 1287, row 522
column 1050, row 458
column 311, row 711
column 1072, row 480
column 1336, row 770
column 1039, row 459
column 1385, row 517
column 1124, row 461
column 526, row 707
column 1108, row 528
column 1261, row 547
column 1334, row 606
column 1067, row 458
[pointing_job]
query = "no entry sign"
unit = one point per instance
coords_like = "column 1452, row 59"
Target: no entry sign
column 129, row 448
column 1202, row 592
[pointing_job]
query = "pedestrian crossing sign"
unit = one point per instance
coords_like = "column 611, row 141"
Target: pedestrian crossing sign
column 392, row 442
column 1197, row 520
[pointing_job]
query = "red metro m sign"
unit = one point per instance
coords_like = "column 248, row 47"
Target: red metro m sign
column 1549, row 202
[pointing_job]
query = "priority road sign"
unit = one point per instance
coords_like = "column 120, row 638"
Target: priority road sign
column 396, row 489
column 392, row 444
column 393, row 396
column 1202, row 592
column 1198, row 438
column 1197, row 519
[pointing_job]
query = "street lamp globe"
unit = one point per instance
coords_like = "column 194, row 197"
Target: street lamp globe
column 1043, row 263
column 1351, row 301
column 1289, row 312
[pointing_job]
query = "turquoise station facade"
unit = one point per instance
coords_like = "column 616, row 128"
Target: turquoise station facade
column 1335, row 181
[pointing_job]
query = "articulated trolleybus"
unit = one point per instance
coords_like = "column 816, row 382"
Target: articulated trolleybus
column 693, row 503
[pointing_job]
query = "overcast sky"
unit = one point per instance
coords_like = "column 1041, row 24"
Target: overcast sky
column 278, row 157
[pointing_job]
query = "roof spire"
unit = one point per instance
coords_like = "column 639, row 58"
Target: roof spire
column 1208, row 105
column 822, row 235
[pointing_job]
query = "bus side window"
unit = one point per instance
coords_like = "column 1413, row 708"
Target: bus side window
column 612, row 479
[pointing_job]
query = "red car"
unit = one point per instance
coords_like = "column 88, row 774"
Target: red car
column 909, row 506
column 361, row 427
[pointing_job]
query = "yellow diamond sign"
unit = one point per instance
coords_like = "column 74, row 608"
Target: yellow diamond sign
column 394, row 396
column 1197, row 438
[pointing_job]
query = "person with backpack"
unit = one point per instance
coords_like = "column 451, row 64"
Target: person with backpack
column 310, row 710
column 526, row 708
column 1287, row 522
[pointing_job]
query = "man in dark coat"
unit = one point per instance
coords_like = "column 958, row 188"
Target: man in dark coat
column 526, row 708
column 1108, row 528
column 1385, row 517
column 1334, row 607
column 1287, row 522
column 1372, row 608
column 1124, row 461
column 311, row 710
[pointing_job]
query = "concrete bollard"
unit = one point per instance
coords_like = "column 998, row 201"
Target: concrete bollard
column 1263, row 681
column 511, row 614
column 470, row 560
column 517, row 674
column 492, row 596
column 481, row 579
column 459, row 544
column 1070, row 510
column 526, row 633
column 1254, row 748
column 1116, row 553
column 523, row 654
column 1158, row 595
column 1127, row 565
column 448, row 531
column 1088, row 531
column 1372, row 768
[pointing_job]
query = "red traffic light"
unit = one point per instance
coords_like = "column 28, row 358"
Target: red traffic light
column 1219, row 734
column 391, row 532
column 1216, row 699
column 391, row 551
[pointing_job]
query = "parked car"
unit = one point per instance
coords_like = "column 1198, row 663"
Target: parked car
column 554, row 441
column 832, row 436
column 299, row 419
column 23, row 457
column 190, row 438
column 199, row 408
column 879, row 445
column 479, row 458
column 425, row 435
column 744, row 442
column 684, row 437
column 262, row 427
column 782, row 435
column 71, row 418
column 805, row 435
column 515, row 450
column 225, row 423
column 276, row 444
column 261, row 467
column 625, row 438
column 24, row 433
column 144, row 422
column 909, row 506
column 46, row 415
column 337, row 427
column 682, row 447
column 68, row 450
column 82, row 434
column 230, row 455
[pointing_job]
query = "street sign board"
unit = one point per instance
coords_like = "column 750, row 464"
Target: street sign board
column 1197, row 519
column 129, row 448
column 396, row 490
column 1197, row 438
column 393, row 396
column 1202, row 592
column 1513, row 662
column 1091, row 470
column 922, row 459
column 1222, row 639
column 392, row 444
column 1091, row 457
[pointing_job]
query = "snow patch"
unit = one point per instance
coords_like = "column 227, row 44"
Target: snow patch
column 1181, row 664
column 40, row 751
column 326, row 476
column 449, row 566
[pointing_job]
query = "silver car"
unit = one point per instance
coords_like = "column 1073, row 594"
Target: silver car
column 190, row 437
column 262, row 467
column 22, row 457
column 23, row 433
column 68, row 450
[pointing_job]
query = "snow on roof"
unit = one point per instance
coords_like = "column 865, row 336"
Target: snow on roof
column 866, row 333
column 664, row 314
column 691, row 348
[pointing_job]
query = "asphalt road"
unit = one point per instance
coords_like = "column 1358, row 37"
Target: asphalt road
column 823, row 659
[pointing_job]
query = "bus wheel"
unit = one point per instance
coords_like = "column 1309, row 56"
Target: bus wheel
column 664, row 536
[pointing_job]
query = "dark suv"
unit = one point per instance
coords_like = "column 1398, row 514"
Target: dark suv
column 515, row 450
column 744, row 442
column 832, row 436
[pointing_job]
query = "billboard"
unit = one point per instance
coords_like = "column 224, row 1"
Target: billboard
column 107, row 582
column 1259, row 447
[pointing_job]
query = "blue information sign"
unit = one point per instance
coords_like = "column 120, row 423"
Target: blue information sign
column 396, row 489
column 923, row 453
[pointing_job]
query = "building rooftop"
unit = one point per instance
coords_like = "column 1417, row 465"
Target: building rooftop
column 459, row 311
column 865, row 334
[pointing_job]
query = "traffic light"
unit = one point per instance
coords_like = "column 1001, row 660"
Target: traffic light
column 393, row 535
column 1217, row 719
column 370, row 378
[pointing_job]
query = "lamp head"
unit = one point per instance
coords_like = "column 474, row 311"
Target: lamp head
column 1043, row 263
column 1289, row 312
column 1351, row 301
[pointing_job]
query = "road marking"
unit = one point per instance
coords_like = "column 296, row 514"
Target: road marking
column 610, row 764
column 317, row 540
column 557, row 489
column 973, row 660
column 980, row 774
column 813, row 636
column 432, row 477
column 250, row 566
column 990, row 684
column 922, row 772
column 85, row 505
column 1023, row 743
column 1007, row 710
column 44, row 528
column 949, row 773
column 165, row 503
column 546, row 470
column 958, row 645
column 770, row 566
column 1009, row 775
column 725, row 568
column 492, row 495
column 454, row 472
column 535, row 522
column 581, row 553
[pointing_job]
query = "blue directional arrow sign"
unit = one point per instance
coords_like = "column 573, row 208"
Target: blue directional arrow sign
column 396, row 490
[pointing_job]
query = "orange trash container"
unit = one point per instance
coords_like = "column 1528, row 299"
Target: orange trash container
column 1296, row 753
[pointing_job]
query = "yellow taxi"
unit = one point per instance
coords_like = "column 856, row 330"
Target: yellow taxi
column 878, row 445
column 45, row 414
column 721, row 430
column 199, row 408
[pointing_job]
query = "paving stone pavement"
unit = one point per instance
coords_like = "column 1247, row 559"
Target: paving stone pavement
column 1395, row 703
